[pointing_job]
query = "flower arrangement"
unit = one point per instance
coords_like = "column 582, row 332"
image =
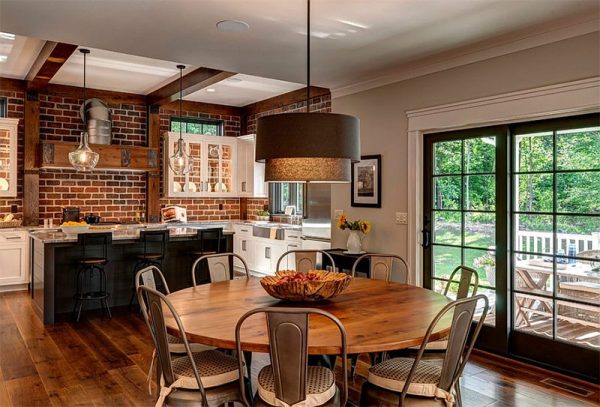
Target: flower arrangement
column 363, row 226
column 487, row 259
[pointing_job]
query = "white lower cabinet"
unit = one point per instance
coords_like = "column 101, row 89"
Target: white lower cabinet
column 14, row 260
column 261, row 254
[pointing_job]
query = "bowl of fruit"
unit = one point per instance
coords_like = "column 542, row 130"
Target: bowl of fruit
column 74, row 228
column 314, row 285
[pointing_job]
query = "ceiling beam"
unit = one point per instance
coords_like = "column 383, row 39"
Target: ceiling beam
column 197, row 79
column 52, row 56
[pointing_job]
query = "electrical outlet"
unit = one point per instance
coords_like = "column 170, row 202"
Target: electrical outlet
column 337, row 213
column 401, row 218
column 13, row 209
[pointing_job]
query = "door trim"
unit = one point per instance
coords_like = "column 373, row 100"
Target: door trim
column 546, row 102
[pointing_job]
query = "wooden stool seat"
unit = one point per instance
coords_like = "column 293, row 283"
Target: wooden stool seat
column 203, row 253
column 94, row 260
column 150, row 256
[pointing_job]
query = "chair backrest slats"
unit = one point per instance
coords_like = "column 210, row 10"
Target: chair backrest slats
column 382, row 265
column 147, row 277
column 218, row 266
column 459, row 345
column 305, row 259
column 468, row 278
column 288, row 340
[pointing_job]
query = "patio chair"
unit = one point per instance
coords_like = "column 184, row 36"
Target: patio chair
column 289, row 380
column 393, row 380
column 209, row 378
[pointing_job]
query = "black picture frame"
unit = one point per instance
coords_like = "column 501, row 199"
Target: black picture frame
column 369, row 168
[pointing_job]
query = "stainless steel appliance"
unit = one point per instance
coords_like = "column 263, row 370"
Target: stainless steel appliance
column 316, row 225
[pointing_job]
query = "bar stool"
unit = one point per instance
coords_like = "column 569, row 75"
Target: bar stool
column 207, row 235
column 155, row 244
column 92, row 266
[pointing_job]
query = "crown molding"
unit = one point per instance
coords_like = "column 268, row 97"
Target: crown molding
column 503, row 45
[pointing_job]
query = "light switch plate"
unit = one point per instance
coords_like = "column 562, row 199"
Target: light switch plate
column 401, row 218
column 337, row 213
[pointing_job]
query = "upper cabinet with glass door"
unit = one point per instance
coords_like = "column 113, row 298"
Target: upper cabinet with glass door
column 212, row 167
column 8, row 157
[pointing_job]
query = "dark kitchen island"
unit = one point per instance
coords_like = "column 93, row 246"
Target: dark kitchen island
column 54, row 266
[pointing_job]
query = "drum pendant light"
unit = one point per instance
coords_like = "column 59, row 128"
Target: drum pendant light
column 83, row 159
column 307, row 147
column 180, row 160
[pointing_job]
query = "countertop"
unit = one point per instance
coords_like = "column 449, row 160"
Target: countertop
column 132, row 232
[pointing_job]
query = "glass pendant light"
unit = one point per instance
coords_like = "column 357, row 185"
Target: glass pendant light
column 84, row 159
column 180, row 161
column 305, row 146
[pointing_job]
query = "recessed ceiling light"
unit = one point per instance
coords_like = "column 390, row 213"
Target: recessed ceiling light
column 211, row 90
column 3, row 58
column 7, row 36
column 232, row 25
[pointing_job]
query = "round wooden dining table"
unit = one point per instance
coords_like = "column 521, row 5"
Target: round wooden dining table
column 377, row 315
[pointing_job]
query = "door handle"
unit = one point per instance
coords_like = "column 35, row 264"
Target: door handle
column 244, row 186
column 426, row 239
column 267, row 252
column 243, row 245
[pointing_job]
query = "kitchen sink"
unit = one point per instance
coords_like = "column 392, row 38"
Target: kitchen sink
column 265, row 231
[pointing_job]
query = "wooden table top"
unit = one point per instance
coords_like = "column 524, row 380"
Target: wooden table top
column 378, row 316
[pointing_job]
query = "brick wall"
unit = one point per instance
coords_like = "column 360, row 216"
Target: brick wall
column 203, row 208
column 115, row 196
column 16, row 110
column 256, row 204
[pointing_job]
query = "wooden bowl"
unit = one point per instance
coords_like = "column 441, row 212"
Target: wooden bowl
column 326, row 285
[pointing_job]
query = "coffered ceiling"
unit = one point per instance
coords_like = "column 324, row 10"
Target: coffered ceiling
column 353, row 40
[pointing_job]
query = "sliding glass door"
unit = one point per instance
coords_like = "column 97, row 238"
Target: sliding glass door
column 521, row 205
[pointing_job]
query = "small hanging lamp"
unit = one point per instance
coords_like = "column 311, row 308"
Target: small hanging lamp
column 180, row 161
column 84, row 159
column 308, row 147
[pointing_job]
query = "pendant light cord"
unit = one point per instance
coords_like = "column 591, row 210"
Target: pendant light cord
column 84, row 112
column 180, row 98
column 307, row 56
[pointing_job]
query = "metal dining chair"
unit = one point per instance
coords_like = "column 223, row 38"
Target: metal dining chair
column 396, row 379
column 381, row 266
column 289, row 380
column 218, row 266
column 209, row 378
column 305, row 260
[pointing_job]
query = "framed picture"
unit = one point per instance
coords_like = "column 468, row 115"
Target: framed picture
column 366, row 182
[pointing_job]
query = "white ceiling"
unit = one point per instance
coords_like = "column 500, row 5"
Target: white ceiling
column 241, row 90
column 353, row 40
column 17, row 54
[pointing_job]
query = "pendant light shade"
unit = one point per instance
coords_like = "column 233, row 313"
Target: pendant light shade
column 308, row 147
column 84, row 159
column 180, row 162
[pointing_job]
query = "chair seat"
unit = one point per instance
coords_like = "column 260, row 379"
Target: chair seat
column 216, row 396
column 320, row 386
column 176, row 345
column 392, row 375
column 93, row 260
column 150, row 256
column 203, row 253
column 215, row 368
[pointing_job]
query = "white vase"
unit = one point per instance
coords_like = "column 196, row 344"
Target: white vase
column 354, row 243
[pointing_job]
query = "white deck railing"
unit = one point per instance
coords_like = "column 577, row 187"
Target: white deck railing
column 541, row 242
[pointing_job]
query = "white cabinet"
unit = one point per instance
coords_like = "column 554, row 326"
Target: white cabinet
column 251, row 175
column 14, row 260
column 242, row 246
column 8, row 157
column 213, row 171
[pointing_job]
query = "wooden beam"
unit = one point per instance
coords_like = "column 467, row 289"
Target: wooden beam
column 153, row 178
column 197, row 79
column 50, row 59
column 31, row 176
column 55, row 154
column 276, row 102
column 109, row 96
column 201, row 107
column 12, row 85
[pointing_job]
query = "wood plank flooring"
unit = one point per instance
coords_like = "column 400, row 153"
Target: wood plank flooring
column 104, row 363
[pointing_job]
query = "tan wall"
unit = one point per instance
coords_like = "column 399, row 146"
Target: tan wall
column 383, row 122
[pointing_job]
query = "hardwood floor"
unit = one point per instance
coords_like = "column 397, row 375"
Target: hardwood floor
column 104, row 363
